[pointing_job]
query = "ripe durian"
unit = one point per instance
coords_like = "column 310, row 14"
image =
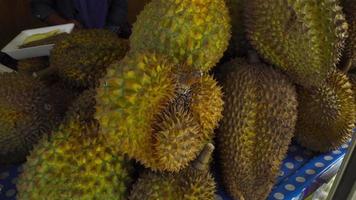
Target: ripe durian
column 26, row 114
column 81, row 58
column 195, row 33
column 326, row 115
column 83, row 107
column 152, row 112
column 177, row 138
column 132, row 94
column 259, row 119
column 352, row 78
column 207, row 104
column 349, row 56
column 303, row 38
column 77, row 162
column 195, row 182
column 32, row 65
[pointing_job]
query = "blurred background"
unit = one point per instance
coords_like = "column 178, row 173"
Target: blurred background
column 15, row 16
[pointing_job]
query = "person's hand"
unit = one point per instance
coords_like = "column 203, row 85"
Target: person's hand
column 77, row 24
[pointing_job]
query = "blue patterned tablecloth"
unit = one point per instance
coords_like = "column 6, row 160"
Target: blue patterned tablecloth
column 301, row 173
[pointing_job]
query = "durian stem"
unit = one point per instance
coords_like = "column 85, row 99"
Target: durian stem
column 253, row 57
column 44, row 73
column 202, row 162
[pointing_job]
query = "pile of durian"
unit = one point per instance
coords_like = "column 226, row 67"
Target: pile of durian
column 108, row 118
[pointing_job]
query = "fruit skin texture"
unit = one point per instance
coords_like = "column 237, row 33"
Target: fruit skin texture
column 352, row 78
column 83, row 107
column 130, row 97
column 26, row 114
column 207, row 104
column 195, row 33
column 82, row 58
column 349, row 57
column 259, row 119
column 326, row 115
column 177, row 138
column 193, row 183
column 303, row 38
column 31, row 65
column 75, row 163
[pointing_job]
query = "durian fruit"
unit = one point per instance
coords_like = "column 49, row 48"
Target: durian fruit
column 259, row 120
column 177, row 139
column 155, row 115
column 303, row 38
column 132, row 94
column 349, row 56
column 195, row 182
column 83, row 107
column 207, row 104
column 326, row 115
column 26, row 114
column 81, row 58
column 75, row 163
column 238, row 43
column 195, row 33
column 352, row 78
column 32, row 65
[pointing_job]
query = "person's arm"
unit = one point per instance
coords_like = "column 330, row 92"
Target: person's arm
column 44, row 10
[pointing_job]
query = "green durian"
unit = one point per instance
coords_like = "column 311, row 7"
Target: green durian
column 26, row 114
column 326, row 115
column 304, row 38
column 81, row 58
column 77, row 162
column 259, row 120
column 132, row 94
column 193, row 183
column 349, row 56
column 32, row 65
column 195, row 33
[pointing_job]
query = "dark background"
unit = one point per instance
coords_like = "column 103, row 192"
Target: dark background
column 15, row 16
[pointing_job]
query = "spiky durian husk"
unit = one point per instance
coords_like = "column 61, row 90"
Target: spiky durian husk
column 349, row 57
column 189, row 184
column 195, row 33
column 26, row 114
column 207, row 104
column 238, row 42
column 75, row 163
column 177, row 139
column 131, row 95
column 82, row 58
column 83, row 107
column 352, row 78
column 304, row 38
column 326, row 115
column 31, row 65
column 258, row 124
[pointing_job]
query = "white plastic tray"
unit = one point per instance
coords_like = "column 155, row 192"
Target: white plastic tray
column 13, row 50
